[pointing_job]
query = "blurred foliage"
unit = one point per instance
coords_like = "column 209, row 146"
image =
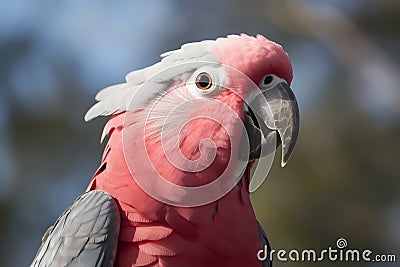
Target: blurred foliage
column 342, row 180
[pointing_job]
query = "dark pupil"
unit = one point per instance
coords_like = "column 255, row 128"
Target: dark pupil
column 203, row 81
column 268, row 80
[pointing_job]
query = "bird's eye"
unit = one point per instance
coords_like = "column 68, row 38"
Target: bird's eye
column 268, row 80
column 203, row 81
column 206, row 80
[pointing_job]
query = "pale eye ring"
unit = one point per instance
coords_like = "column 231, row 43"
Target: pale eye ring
column 268, row 80
column 203, row 81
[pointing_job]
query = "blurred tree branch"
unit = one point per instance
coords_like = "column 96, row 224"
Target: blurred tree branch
column 332, row 27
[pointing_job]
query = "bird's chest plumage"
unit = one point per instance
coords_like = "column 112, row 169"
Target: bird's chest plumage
column 221, row 233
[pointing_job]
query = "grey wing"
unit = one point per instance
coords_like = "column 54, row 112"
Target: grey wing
column 86, row 234
column 264, row 241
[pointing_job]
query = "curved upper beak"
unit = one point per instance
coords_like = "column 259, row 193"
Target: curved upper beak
column 274, row 110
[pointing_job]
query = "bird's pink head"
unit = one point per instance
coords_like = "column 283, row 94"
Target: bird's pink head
column 254, row 56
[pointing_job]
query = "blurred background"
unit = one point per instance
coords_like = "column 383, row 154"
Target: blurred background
column 342, row 180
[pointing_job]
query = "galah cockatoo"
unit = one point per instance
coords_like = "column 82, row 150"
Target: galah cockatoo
column 173, row 185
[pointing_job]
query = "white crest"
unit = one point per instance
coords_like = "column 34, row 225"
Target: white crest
column 175, row 65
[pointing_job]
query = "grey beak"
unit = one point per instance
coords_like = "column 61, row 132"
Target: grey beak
column 274, row 110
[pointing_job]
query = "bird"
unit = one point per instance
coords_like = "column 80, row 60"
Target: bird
column 172, row 188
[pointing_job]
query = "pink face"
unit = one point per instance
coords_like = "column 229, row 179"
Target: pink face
column 246, row 61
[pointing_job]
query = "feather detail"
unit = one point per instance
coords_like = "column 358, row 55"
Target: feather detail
column 169, row 246
column 129, row 254
column 111, row 100
column 85, row 234
column 145, row 232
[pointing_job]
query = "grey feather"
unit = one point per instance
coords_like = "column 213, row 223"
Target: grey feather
column 86, row 234
column 264, row 241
